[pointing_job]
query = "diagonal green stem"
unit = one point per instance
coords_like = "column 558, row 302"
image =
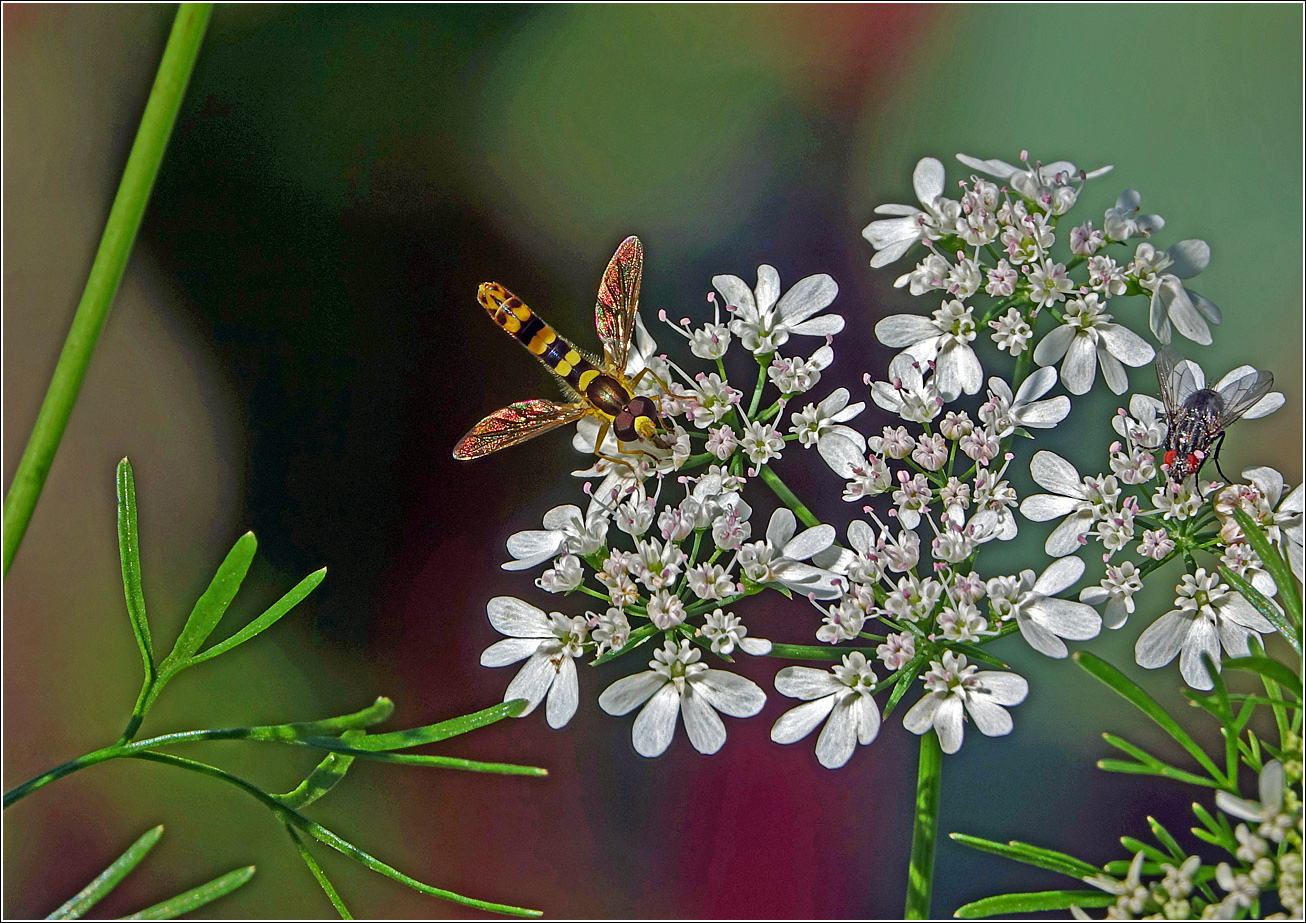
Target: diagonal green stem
column 925, row 830
column 106, row 272
column 788, row 497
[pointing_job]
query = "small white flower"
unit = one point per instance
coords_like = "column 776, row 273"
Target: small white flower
column 1005, row 413
column 929, row 275
column 1043, row 619
column 665, row 610
column 565, row 575
column 655, row 565
column 1275, row 823
column 1145, row 424
column 1117, row 590
column 841, row 697
column 954, row 687
column 1088, row 339
column 722, row 442
column 944, row 338
column 1001, row 283
column 796, row 375
column 779, row 558
column 1171, row 301
column 551, row 643
column 710, row 581
column 1085, row 240
column 1106, row 277
column 1124, row 222
column 611, row 630
column 713, row 399
column 677, row 684
column 897, row 650
column 1207, row 615
column 907, row 393
column 1011, row 332
column 725, row 632
column 1131, row 894
column 893, row 237
column 1046, row 185
column 761, row 442
column 763, row 324
column 1049, row 283
column 1083, row 501
column 1156, row 544
column 816, row 421
column 566, row 531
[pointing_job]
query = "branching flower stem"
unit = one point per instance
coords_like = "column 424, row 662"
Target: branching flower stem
column 925, row 828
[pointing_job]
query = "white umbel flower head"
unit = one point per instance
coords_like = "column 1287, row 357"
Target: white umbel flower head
column 677, row 684
column 780, row 558
column 551, row 642
column 1005, row 413
column 1083, row 501
column 1047, row 185
column 566, row 531
column 953, row 688
column 842, row 695
column 1161, row 272
column 1207, row 614
column 763, row 320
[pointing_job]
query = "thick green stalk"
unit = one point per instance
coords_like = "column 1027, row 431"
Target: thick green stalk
column 788, row 497
column 106, row 272
column 920, row 875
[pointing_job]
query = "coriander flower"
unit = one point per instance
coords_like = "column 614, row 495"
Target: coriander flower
column 1207, row 614
column 1006, row 413
column 818, row 421
column 550, row 642
column 779, row 558
column 1047, row 185
column 1270, row 813
column 1088, row 339
column 944, row 338
column 1124, row 222
column 725, row 631
column 954, row 688
column 761, row 442
column 1117, row 590
column 842, row 695
column 1043, row 619
column 907, row 393
column 565, row 531
column 1171, row 302
column 1083, row 501
column 762, row 323
column 677, row 684
column 893, row 237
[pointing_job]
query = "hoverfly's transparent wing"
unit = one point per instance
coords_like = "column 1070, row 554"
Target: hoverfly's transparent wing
column 1179, row 378
column 1240, row 390
column 614, row 314
column 515, row 423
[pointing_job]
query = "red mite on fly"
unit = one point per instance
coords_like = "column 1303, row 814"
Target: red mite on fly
column 1197, row 416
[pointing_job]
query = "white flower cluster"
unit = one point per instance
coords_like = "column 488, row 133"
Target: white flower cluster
column 903, row 586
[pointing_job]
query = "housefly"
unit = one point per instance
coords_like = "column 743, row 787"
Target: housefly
column 1196, row 415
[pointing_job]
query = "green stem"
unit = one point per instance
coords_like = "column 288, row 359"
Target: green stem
column 787, row 496
column 920, row 875
column 64, row 769
column 106, row 272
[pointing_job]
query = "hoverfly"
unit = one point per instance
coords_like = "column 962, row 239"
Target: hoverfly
column 1197, row 416
column 599, row 388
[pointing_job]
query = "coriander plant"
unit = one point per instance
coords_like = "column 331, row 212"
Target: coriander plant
column 659, row 564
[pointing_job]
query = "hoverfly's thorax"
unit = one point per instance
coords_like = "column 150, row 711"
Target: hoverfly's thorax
column 607, row 394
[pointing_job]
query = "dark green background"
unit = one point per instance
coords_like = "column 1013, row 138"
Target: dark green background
column 296, row 348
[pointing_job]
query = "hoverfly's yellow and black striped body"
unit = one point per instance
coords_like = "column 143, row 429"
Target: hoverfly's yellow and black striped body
column 598, row 388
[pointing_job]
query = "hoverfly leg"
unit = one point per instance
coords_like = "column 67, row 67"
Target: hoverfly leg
column 598, row 451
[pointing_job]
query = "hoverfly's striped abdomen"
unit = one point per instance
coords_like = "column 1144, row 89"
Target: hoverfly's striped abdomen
column 529, row 329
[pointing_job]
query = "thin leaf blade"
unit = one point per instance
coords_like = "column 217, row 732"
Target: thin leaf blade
column 264, row 621
column 107, row 880
column 129, row 553
column 1048, row 859
column 212, row 605
column 1033, row 902
column 196, row 897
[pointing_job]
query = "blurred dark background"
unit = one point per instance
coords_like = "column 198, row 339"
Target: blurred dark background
column 296, row 348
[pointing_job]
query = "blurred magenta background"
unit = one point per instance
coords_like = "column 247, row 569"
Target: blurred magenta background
column 296, row 348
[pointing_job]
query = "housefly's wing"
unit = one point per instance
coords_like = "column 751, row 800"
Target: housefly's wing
column 614, row 314
column 1240, row 389
column 1179, row 378
column 515, row 423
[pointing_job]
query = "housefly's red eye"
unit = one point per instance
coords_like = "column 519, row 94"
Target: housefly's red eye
column 1194, row 462
column 1170, row 457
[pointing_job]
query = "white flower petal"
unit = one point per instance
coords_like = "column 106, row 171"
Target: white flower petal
column 735, row 291
column 532, row 681
column 868, row 719
column 1127, row 346
column 1061, row 574
column 1188, row 257
column 509, row 650
column 840, row 453
column 947, row 724
column 1003, row 688
column 827, row 325
column 706, row 731
column 1042, row 507
column 564, row 694
column 920, row 717
column 806, row 683
column 1053, row 346
column 1160, row 641
column 1052, row 472
column 805, row 298
column 905, row 329
column 655, row 725
column 768, row 287
column 1045, row 414
column 1065, row 538
column 1037, row 384
column 1039, row 637
column 1202, row 639
column 928, row 179
column 532, row 548
column 838, row 738
column 991, row 719
column 1080, row 365
column 781, row 528
column 628, row 693
column 1068, row 618
column 517, row 619
column 800, row 721
column 729, row 693
column 809, row 542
